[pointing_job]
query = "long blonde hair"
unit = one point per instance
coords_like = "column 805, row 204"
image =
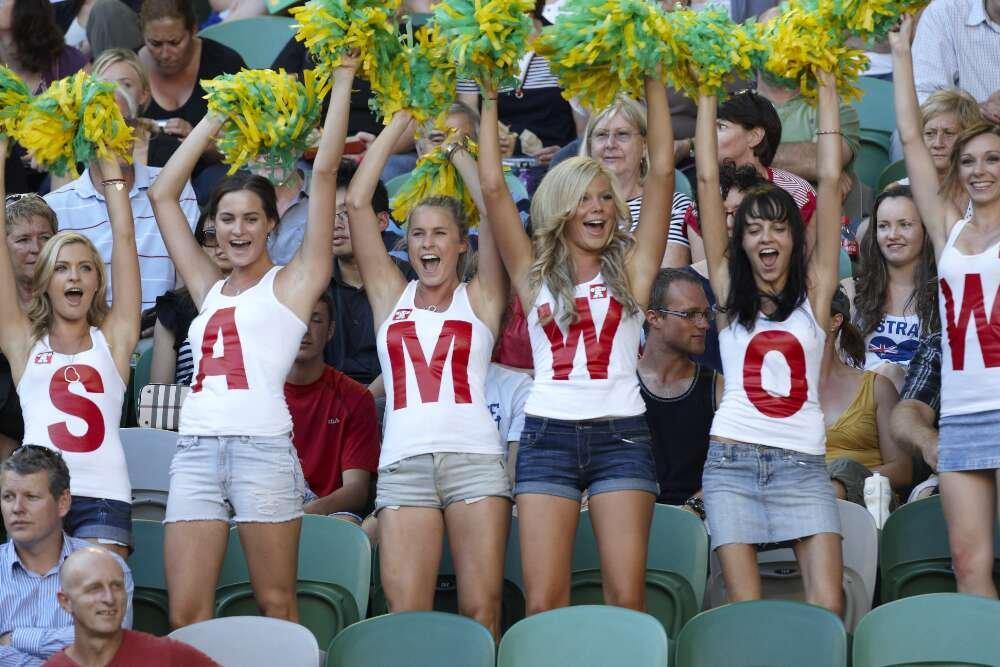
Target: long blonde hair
column 40, row 312
column 553, row 205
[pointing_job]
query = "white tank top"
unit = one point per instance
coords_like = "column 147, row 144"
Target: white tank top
column 585, row 370
column 73, row 404
column 970, row 323
column 434, row 367
column 242, row 348
column 894, row 340
column 771, row 394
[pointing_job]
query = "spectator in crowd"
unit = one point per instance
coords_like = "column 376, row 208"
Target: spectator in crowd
column 506, row 395
column 292, row 192
column 680, row 395
column 857, row 406
column 966, row 248
column 232, row 458
column 946, row 114
column 957, row 44
column 580, row 271
column 896, row 298
column 352, row 348
column 92, row 591
column 70, row 356
column 81, row 206
column 35, row 499
column 915, row 417
column 336, row 430
column 452, row 476
column 616, row 137
column 765, row 478
column 172, row 356
column 92, row 26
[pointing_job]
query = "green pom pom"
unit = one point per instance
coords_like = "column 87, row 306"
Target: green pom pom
column 871, row 19
column 14, row 98
column 329, row 28
column 420, row 79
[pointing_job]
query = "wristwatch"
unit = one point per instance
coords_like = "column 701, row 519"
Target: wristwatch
column 696, row 504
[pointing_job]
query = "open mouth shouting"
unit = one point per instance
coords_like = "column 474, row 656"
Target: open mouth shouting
column 768, row 258
column 595, row 226
column 430, row 261
column 74, row 296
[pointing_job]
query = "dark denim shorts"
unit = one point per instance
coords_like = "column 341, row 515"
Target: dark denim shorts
column 100, row 519
column 565, row 458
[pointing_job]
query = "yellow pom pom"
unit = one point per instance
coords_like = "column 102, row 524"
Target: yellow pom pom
column 434, row 175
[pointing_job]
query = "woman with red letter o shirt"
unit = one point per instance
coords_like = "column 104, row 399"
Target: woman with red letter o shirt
column 234, row 457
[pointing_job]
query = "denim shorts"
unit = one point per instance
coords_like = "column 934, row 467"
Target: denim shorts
column 761, row 495
column 565, row 458
column 245, row 478
column 108, row 521
column 440, row 479
column 970, row 442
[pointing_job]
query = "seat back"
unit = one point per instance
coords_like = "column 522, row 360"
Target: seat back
column 871, row 161
column 258, row 40
column 876, row 108
column 585, row 636
column 682, row 184
column 148, row 452
column 251, row 641
column 939, row 629
column 150, row 612
column 413, row 639
column 894, row 172
column 777, row 633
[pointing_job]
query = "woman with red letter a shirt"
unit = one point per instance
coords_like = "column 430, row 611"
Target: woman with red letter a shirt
column 234, row 457
column 69, row 355
column 583, row 281
column 967, row 249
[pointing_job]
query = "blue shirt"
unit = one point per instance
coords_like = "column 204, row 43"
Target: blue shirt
column 29, row 611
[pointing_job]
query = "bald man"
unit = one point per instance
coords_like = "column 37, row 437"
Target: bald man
column 92, row 591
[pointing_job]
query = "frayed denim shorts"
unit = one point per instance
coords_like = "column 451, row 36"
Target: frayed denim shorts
column 761, row 495
column 439, row 479
column 249, row 479
column 970, row 442
column 101, row 519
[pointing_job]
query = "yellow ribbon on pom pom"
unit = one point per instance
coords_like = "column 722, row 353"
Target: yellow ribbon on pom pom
column 435, row 175
column 14, row 99
column 872, row 19
column 420, row 79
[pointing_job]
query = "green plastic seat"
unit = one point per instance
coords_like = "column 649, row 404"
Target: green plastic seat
column 894, row 172
column 258, row 40
column 876, row 108
column 871, row 161
column 940, row 629
column 676, row 567
column 682, row 184
column 776, row 633
column 413, row 639
column 585, row 636
column 334, row 571
column 150, row 609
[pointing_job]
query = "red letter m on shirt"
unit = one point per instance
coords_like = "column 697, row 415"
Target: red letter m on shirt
column 598, row 349
column 456, row 335
column 972, row 306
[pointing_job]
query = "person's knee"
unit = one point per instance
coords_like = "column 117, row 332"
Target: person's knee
column 536, row 603
column 277, row 603
column 484, row 608
column 629, row 597
column 971, row 560
column 190, row 613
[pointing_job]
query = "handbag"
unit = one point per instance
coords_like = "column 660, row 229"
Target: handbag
column 160, row 405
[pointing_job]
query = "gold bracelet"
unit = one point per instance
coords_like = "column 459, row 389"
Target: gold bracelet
column 119, row 183
column 829, row 132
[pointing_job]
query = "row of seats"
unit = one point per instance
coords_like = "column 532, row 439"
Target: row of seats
column 939, row 629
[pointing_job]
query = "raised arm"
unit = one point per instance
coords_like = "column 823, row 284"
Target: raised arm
column 657, row 193
column 711, row 211
column 197, row 271
column 937, row 212
column 15, row 329
column 300, row 283
column 122, row 324
column 505, row 222
column 383, row 282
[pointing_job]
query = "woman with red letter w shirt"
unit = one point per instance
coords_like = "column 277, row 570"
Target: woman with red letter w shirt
column 235, row 457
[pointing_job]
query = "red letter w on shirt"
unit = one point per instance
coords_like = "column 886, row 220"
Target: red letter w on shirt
column 598, row 350
column 222, row 325
column 456, row 335
column 972, row 306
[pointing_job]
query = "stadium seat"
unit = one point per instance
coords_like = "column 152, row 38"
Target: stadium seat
column 682, row 184
column 148, row 452
column 871, row 162
column 334, row 572
column 676, row 567
column 585, row 636
column 258, row 40
column 939, row 629
column 142, row 366
column 894, row 172
column 252, row 641
column 150, row 611
column 915, row 557
column 413, row 639
column 776, row 633
column 781, row 578
column 876, row 109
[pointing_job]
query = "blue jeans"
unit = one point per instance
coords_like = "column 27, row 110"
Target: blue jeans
column 101, row 519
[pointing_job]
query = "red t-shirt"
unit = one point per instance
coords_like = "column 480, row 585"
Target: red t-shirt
column 139, row 648
column 335, row 429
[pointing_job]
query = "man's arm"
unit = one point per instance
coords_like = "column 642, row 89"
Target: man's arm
column 935, row 63
column 350, row 497
column 800, row 158
column 11, row 657
column 39, row 642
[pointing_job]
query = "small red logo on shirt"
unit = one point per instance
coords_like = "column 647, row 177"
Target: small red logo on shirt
column 43, row 358
column 598, row 292
column 401, row 314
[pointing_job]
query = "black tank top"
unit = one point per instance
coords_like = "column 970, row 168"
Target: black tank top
column 680, row 429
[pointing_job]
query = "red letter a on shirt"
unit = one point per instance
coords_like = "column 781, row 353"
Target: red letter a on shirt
column 222, row 324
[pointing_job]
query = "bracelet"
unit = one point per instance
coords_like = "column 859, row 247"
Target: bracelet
column 818, row 132
column 696, row 504
column 119, row 183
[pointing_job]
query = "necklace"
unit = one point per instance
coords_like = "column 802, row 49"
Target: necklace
column 238, row 290
column 70, row 374
column 432, row 307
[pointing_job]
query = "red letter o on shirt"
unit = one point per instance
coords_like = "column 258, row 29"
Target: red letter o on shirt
column 790, row 348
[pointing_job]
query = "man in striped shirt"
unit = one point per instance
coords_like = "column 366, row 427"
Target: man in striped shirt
column 34, row 498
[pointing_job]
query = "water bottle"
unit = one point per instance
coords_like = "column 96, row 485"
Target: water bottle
column 877, row 496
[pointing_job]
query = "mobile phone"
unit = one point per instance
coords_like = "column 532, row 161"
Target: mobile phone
column 354, row 147
column 162, row 124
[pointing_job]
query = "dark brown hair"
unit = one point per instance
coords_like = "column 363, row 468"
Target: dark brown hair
column 154, row 10
column 242, row 180
column 37, row 39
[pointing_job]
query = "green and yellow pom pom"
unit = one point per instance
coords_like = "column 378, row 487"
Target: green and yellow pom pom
column 419, row 79
column 872, row 19
column 14, row 98
column 330, row 28
column 804, row 39
column 600, row 48
column 76, row 120
column 434, row 175
column 270, row 116
column 485, row 38
column 710, row 50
